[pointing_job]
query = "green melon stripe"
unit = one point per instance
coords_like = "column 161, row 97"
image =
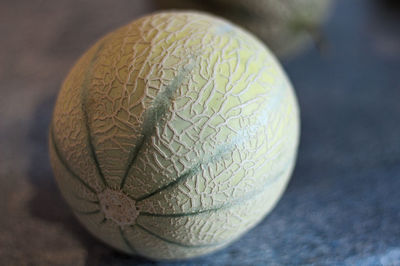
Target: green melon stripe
column 90, row 201
column 84, row 199
column 154, row 114
column 134, row 155
column 64, row 163
column 126, row 241
column 239, row 201
column 176, row 215
column 191, row 172
column 84, row 97
column 224, row 149
column 241, row 137
column 176, row 243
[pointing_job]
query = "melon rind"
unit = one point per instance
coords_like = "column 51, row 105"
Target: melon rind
column 187, row 117
column 287, row 27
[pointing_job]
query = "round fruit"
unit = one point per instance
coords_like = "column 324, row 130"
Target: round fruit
column 174, row 135
column 286, row 26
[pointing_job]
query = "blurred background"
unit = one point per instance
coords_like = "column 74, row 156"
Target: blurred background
column 342, row 206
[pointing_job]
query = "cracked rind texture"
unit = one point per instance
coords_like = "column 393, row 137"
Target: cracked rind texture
column 286, row 26
column 191, row 118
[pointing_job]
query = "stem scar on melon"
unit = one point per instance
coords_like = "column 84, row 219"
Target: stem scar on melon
column 118, row 207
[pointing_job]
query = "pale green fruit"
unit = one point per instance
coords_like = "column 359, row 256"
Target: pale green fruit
column 174, row 135
column 286, row 26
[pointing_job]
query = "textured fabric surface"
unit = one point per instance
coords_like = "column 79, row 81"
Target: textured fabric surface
column 342, row 206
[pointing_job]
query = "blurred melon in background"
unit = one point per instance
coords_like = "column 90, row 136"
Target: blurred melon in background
column 288, row 27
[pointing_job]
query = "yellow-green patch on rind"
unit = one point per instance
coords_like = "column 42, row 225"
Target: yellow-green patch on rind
column 181, row 123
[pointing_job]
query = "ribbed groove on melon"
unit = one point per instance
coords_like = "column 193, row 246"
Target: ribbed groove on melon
column 174, row 215
column 174, row 242
column 191, row 172
column 84, row 199
column 227, row 205
column 188, row 174
column 239, row 201
column 85, row 85
column 126, row 241
column 64, row 163
column 242, row 136
column 154, row 114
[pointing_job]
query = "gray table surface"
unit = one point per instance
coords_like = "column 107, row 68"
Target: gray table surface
column 342, row 206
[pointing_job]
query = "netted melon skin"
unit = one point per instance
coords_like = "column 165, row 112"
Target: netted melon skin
column 287, row 27
column 174, row 135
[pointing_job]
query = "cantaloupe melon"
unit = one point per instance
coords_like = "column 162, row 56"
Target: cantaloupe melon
column 174, row 135
column 286, row 26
